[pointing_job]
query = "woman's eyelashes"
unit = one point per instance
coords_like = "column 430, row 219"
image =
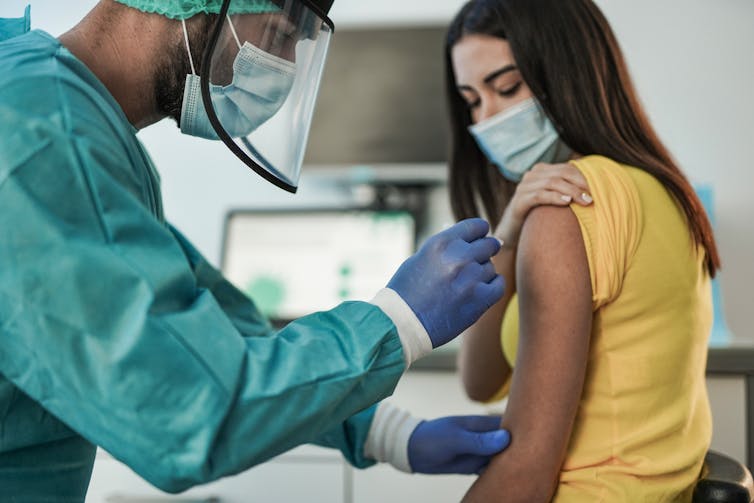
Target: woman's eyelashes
column 505, row 91
column 509, row 91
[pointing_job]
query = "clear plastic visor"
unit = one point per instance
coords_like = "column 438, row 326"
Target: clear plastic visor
column 264, row 74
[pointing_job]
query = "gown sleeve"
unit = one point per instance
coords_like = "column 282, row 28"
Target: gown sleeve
column 238, row 307
column 349, row 436
column 107, row 325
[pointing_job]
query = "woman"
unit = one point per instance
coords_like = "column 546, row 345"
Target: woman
column 608, row 311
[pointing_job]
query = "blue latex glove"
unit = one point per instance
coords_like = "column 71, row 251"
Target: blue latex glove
column 450, row 282
column 458, row 444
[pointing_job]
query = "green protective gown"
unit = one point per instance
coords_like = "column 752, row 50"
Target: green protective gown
column 115, row 332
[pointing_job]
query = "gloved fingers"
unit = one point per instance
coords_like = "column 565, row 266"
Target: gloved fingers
column 478, row 423
column 473, row 274
column 482, row 250
column 490, row 292
column 488, row 272
column 468, row 230
column 486, row 443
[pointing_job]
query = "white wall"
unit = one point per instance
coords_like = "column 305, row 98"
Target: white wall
column 692, row 63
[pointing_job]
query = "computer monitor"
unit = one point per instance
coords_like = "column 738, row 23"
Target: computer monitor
column 382, row 98
column 296, row 262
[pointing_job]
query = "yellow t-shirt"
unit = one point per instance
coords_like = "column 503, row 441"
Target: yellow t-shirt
column 643, row 423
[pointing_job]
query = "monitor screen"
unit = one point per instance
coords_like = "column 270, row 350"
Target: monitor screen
column 293, row 263
column 382, row 98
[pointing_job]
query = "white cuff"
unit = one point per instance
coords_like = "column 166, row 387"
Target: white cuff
column 414, row 337
column 387, row 441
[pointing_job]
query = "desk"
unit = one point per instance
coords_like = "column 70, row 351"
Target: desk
column 731, row 367
column 730, row 382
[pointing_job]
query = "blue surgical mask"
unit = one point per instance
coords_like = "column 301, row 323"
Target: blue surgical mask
column 518, row 138
column 261, row 84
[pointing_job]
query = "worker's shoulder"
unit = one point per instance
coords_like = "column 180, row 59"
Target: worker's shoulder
column 29, row 107
column 29, row 60
column 49, row 101
column 39, row 78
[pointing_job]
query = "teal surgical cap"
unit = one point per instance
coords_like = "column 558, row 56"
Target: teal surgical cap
column 184, row 9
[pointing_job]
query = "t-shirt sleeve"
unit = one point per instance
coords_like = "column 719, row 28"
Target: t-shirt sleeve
column 611, row 226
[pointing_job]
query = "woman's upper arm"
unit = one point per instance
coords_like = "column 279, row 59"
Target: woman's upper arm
column 555, row 298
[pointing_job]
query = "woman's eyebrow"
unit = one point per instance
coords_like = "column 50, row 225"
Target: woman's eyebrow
column 492, row 76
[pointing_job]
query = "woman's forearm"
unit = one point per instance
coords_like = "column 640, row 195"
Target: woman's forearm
column 481, row 362
column 511, row 484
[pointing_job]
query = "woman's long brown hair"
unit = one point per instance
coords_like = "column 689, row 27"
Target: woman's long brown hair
column 570, row 59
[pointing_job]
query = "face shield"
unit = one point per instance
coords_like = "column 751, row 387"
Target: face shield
column 260, row 78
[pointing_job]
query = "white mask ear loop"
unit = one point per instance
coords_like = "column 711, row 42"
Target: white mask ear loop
column 233, row 31
column 188, row 47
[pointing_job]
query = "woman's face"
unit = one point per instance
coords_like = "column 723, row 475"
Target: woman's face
column 487, row 76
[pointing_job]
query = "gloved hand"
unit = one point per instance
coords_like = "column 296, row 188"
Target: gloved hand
column 450, row 282
column 458, row 444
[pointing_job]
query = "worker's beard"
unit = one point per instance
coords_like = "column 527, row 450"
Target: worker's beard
column 170, row 76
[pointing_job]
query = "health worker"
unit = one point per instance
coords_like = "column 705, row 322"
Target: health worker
column 115, row 332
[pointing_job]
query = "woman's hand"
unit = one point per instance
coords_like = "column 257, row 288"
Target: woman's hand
column 543, row 185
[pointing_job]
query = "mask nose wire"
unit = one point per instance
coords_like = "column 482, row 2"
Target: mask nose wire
column 233, row 31
column 188, row 47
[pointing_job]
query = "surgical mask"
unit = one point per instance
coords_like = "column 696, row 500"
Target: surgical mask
column 261, row 84
column 517, row 139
